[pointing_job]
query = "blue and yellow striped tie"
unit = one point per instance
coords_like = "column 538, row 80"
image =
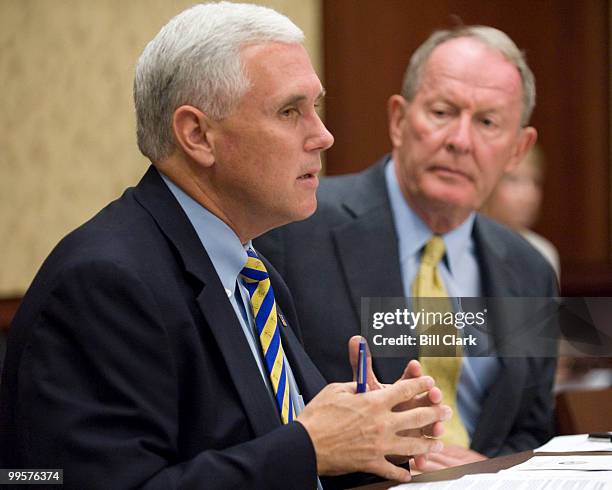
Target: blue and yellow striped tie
column 257, row 281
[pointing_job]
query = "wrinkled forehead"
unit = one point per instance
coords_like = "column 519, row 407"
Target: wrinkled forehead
column 471, row 62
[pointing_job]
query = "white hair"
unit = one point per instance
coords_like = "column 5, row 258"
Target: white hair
column 490, row 37
column 195, row 60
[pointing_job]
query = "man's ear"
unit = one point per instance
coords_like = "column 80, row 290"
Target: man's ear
column 526, row 140
column 396, row 113
column 191, row 129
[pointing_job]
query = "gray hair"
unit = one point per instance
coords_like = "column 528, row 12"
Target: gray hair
column 490, row 37
column 195, row 60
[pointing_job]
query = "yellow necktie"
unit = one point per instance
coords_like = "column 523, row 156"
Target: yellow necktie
column 445, row 370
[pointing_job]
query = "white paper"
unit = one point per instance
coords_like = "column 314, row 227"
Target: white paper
column 572, row 444
column 518, row 481
column 566, row 462
column 438, row 485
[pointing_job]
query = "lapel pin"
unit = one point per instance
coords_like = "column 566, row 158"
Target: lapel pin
column 282, row 319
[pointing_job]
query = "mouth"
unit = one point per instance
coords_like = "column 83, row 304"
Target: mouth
column 444, row 171
column 310, row 174
column 309, row 180
column 306, row 176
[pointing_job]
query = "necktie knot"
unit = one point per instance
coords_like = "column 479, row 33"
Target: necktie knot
column 434, row 251
column 254, row 270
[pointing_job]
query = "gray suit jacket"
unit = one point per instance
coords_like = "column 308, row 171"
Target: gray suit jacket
column 348, row 250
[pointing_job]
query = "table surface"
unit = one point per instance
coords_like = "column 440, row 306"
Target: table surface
column 488, row 466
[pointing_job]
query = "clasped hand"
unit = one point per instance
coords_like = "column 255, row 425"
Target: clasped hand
column 359, row 432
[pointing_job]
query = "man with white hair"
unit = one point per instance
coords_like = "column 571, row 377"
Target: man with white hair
column 460, row 122
column 154, row 348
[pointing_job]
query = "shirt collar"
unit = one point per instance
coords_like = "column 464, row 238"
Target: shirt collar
column 413, row 233
column 221, row 243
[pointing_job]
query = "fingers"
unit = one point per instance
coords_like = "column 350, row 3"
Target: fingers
column 411, row 446
column 413, row 370
column 405, row 447
column 427, row 399
column 353, row 348
column 450, row 456
column 422, row 418
column 347, row 387
column 435, row 430
column 463, row 455
column 389, row 471
column 442, row 460
column 435, row 461
column 406, row 389
column 417, row 463
column 351, row 432
column 432, row 397
column 435, row 396
column 424, row 465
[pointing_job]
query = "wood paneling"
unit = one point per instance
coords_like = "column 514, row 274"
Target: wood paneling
column 368, row 45
column 8, row 307
column 580, row 412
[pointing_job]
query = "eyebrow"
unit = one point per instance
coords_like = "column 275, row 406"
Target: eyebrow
column 300, row 98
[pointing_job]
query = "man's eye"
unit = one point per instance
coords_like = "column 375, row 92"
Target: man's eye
column 489, row 123
column 440, row 113
column 289, row 112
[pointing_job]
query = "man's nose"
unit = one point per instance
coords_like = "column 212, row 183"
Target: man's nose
column 321, row 139
column 459, row 139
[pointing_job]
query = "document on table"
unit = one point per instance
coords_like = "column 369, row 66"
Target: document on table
column 518, row 481
column 572, row 444
column 566, row 462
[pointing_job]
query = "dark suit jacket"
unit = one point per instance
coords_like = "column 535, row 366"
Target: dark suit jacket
column 127, row 366
column 348, row 250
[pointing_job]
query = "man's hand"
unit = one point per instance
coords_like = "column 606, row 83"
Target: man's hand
column 354, row 432
column 413, row 370
column 432, row 397
column 449, row 456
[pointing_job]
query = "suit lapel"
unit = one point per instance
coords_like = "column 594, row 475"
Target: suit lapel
column 220, row 317
column 368, row 252
column 242, row 367
column 307, row 376
column 499, row 280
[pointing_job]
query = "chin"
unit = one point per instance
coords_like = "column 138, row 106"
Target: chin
column 308, row 207
column 305, row 213
column 452, row 195
column 300, row 212
column 452, row 200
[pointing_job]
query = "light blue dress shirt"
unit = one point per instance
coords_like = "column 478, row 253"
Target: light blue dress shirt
column 228, row 257
column 461, row 275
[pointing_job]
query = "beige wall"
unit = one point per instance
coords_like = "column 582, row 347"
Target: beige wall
column 67, row 137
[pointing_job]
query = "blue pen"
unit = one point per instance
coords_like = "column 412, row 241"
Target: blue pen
column 362, row 366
